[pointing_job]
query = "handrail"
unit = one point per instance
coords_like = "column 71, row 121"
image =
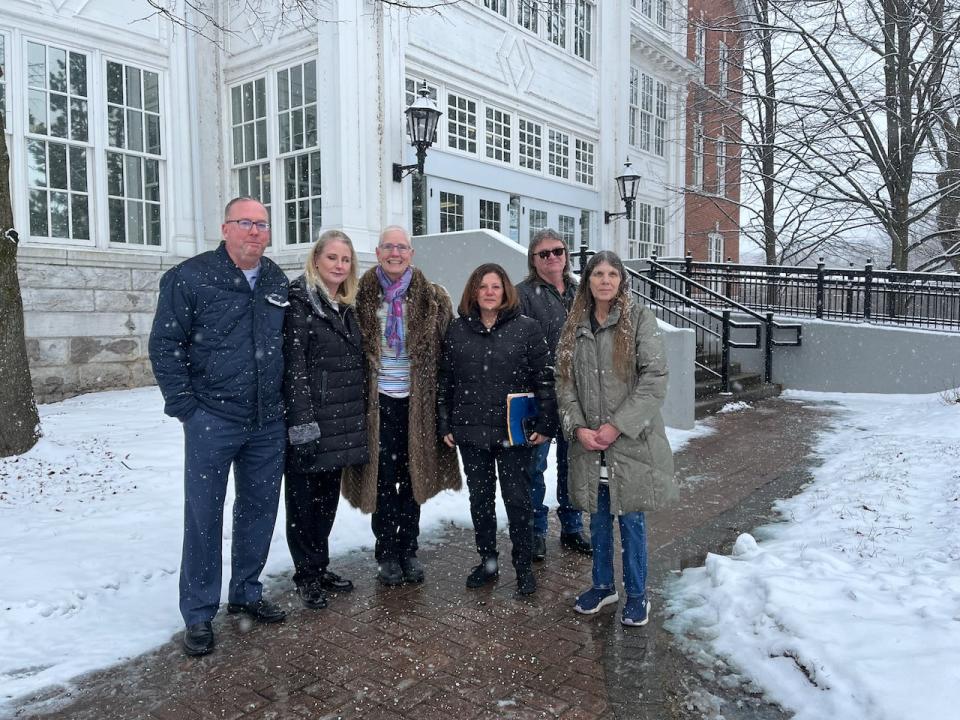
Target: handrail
column 722, row 317
column 892, row 297
column 733, row 303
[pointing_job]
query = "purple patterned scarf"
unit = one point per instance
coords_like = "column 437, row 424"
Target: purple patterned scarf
column 394, row 294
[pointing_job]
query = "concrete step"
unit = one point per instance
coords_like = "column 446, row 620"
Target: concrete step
column 708, row 404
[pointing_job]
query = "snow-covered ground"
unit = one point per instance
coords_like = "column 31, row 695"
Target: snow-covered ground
column 850, row 607
column 90, row 530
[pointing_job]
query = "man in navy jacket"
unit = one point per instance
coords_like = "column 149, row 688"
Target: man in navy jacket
column 217, row 352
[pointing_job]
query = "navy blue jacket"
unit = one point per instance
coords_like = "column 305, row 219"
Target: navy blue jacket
column 216, row 343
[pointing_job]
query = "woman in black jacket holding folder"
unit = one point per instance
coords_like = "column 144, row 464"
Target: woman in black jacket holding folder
column 489, row 352
column 323, row 388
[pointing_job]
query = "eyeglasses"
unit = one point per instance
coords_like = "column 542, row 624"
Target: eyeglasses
column 390, row 247
column 248, row 225
column 556, row 252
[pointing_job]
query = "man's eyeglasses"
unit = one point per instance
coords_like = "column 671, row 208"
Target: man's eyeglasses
column 556, row 252
column 390, row 247
column 249, row 224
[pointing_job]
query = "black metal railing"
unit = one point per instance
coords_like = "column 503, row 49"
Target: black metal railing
column 887, row 297
column 776, row 333
column 715, row 332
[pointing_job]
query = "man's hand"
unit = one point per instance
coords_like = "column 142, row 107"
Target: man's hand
column 448, row 439
column 538, row 439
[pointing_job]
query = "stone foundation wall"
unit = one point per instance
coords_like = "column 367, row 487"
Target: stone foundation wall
column 88, row 316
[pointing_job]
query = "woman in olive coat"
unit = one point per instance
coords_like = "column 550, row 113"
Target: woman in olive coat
column 611, row 383
column 324, row 395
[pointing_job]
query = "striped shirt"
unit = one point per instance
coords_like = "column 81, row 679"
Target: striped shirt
column 394, row 379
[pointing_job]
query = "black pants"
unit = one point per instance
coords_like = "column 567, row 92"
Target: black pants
column 482, row 466
column 311, row 502
column 396, row 521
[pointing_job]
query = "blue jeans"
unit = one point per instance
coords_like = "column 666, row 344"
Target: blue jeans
column 633, row 539
column 212, row 445
column 570, row 518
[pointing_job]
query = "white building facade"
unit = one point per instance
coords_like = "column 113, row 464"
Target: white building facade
column 128, row 132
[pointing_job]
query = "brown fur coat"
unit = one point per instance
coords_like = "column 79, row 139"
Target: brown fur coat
column 433, row 466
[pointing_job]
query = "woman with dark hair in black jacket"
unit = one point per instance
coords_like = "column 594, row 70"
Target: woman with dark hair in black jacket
column 323, row 390
column 490, row 351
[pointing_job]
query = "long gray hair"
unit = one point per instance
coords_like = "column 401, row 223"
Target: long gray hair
column 624, row 352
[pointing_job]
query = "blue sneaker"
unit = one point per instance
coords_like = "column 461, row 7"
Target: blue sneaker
column 593, row 599
column 636, row 612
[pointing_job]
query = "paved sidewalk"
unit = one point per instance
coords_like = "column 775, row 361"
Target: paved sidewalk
column 438, row 650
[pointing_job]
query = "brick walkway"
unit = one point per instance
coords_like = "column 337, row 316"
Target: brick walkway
column 441, row 651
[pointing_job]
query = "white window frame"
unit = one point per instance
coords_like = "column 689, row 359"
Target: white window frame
column 498, row 6
column 584, row 161
column 308, row 207
column 458, row 218
column 584, row 16
column 660, row 120
column 723, row 68
column 558, row 154
column 721, row 166
column 6, row 45
column 497, row 136
column 663, row 14
column 698, row 152
column 530, row 140
column 700, row 46
column 715, row 247
column 462, row 118
column 633, row 104
column 252, row 176
column 557, row 22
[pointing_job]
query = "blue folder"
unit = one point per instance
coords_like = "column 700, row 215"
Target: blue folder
column 521, row 413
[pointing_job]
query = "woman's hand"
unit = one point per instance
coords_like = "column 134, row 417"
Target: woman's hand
column 538, row 439
column 588, row 438
column 607, row 434
column 448, row 439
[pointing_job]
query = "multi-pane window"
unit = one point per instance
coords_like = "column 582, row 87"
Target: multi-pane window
column 248, row 104
column 57, row 136
column 698, row 151
column 700, row 46
column 633, row 116
column 638, row 232
column 660, row 122
column 299, row 157
column 646, row 111
column 498, row 134
column 558, row 154
column 567, row 230
column 723, row 69
column 297, row 107
column 498, row 6
column 451, row 212
column 461, row 123
column 721, row 166
column 490, row 215
column 662, row 13
column 531, row 144
column 715, row 247
column 528, row 14
column 538, row 221
column 659, row 231
column 133, row 166
column 584, row 162
column 3, row 78
column 585, row 222
column 582, row 28
column 557, row 22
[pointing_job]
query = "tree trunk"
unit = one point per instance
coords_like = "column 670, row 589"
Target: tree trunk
column 19, row 422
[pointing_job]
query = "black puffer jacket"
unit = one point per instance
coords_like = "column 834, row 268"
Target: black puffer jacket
column 481, row 367
column 323, row 383
column 541, row 301
column 216, row 343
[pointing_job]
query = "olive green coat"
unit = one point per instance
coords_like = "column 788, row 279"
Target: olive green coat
column 640, row 461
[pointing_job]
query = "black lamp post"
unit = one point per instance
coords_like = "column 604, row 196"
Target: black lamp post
column 627, row 186
column 422, row 118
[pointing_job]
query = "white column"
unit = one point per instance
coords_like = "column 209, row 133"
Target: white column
column 351, row 90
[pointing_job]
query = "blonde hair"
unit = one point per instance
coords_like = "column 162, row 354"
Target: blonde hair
column 347, row 292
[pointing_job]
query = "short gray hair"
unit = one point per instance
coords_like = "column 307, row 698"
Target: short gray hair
column 394, row 228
